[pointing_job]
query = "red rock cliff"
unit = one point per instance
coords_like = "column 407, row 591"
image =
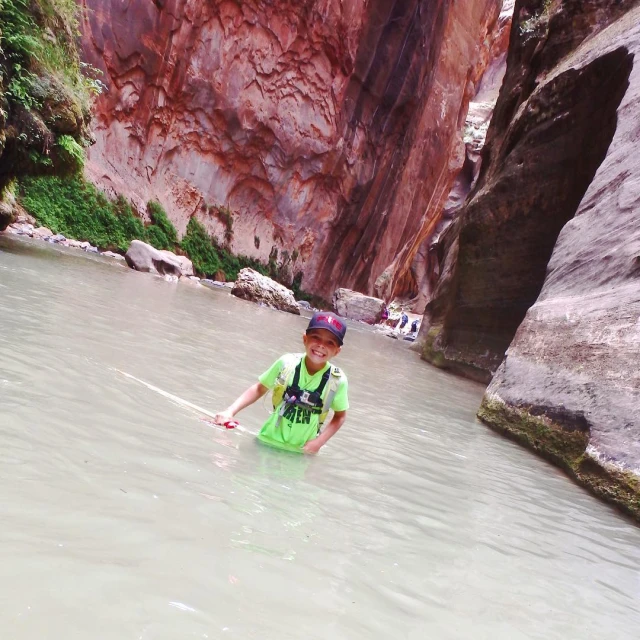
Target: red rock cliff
column 332, row 130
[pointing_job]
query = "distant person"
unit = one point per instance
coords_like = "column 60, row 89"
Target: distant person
column 305, row 387
column 404, row 318
column 414, row 326
column 384, row 316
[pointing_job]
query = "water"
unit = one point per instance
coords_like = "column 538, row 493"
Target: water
column 126, row 516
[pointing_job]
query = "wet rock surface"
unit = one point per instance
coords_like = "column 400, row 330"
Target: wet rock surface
column 253, row 286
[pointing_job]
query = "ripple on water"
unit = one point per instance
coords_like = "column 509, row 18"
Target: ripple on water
column 124, row 512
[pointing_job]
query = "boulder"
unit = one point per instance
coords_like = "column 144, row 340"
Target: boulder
column 21, row 228
column 143, row 257
column 357, row 306
column 253, row 286
column 42, row 233
column 186, row 266
column 6, row 214
column 111, row 254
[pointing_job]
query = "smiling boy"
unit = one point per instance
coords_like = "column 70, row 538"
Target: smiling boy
column 305, row 386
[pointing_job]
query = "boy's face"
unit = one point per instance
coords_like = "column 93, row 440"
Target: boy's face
column 320, row 345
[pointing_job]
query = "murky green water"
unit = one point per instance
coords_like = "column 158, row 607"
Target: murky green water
column 124, row 516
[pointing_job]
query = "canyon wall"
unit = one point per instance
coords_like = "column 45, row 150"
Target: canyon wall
column 542, row 262
column 332, row 130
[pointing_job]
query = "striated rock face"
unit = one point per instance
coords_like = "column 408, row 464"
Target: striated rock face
column 253, row 286
column 418, row 282
column 549, row 246
column 542, row 152
column 330, row 130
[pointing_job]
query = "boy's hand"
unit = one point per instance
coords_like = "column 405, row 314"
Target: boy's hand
column 313, row 446
column 222, row 417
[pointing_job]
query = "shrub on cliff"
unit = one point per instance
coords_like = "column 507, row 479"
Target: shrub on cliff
column 76, row 209
column 160, row 233
column 198, row 246
column 209, row 257
column 44, row 94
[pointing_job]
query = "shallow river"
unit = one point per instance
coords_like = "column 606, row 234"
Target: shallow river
column 125, row 516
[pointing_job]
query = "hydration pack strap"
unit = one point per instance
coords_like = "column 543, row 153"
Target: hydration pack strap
column 294, row 387
column 295, row 383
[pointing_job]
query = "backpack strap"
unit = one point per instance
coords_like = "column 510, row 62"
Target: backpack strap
column 288, row 368
column 334, row 382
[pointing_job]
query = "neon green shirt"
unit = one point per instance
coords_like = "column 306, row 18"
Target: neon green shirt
column 293, row 432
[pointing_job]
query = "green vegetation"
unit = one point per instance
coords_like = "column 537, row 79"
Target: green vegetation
column 160, row 233
column 198, row 246
column 45, row 91
column 38, row 38
column 538, row 22
column 209, row 258
column 78, row 210
column 72, row 152
column 226, row 217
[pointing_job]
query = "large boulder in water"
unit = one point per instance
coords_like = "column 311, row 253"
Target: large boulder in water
column 357, row 306
column 186, row 265
column 253, row 286
column 143, row 257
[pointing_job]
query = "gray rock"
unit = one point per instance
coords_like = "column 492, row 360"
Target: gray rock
column 569, row 385
column 58, row 237
column 213, row 284
column 111, row 254
column 255, row 287
column 21, row 229
column 357, row 306
column 42, row 233
column 143, row 257
column 186, row 266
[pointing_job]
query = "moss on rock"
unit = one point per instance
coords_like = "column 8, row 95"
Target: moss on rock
column 44, row 93
column 567, row 449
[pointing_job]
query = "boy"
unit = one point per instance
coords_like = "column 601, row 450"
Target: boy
column 305, row 386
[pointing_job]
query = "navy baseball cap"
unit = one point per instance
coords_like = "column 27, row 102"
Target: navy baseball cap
column 329, row 321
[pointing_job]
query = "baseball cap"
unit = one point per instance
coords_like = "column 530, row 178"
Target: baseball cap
column 329, row 321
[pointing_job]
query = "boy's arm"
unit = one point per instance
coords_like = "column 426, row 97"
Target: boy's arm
column 251, row 395
column 313, row 446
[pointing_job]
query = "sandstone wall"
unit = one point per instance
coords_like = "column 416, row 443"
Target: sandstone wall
column 331, row 129
column 547, row 248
